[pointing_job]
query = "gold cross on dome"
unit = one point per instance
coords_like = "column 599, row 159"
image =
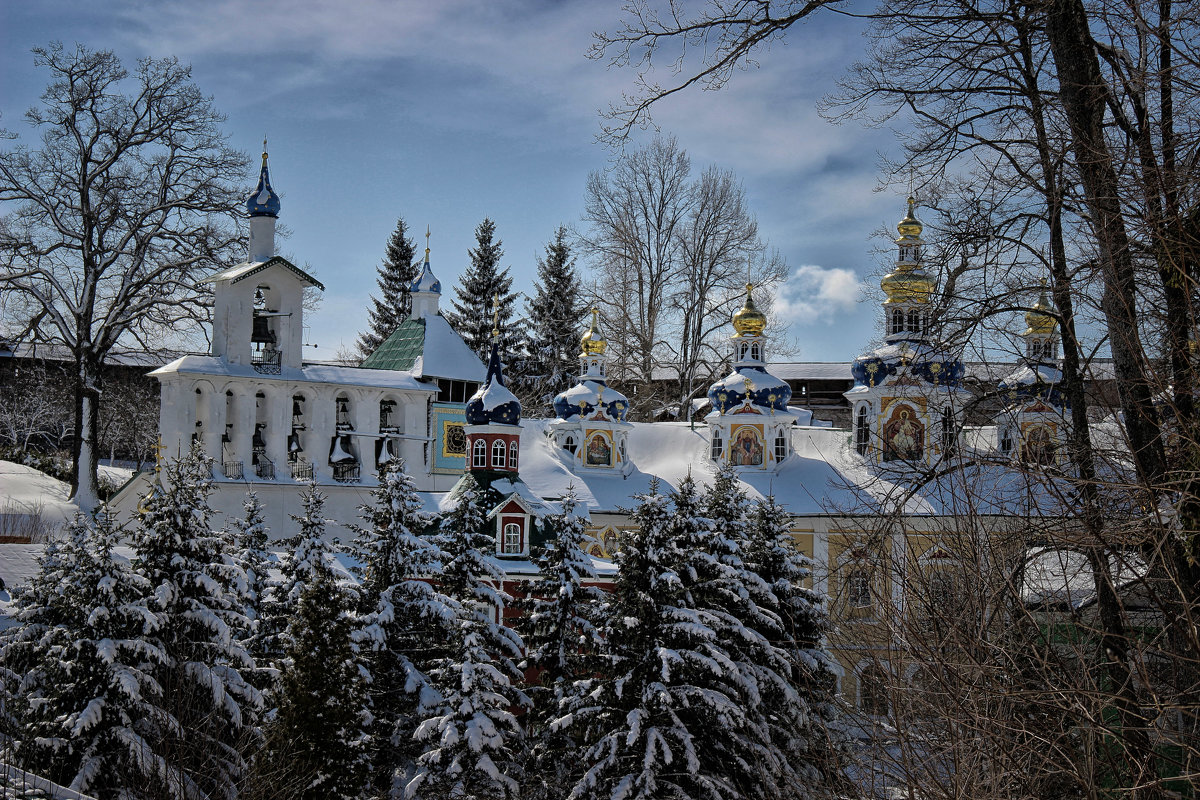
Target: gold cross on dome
column 496, row 314
column 427, row 242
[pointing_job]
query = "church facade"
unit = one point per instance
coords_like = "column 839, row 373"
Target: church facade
column 871, row 505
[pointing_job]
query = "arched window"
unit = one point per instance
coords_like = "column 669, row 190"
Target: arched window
column 858, row 588
column 569, row 445
column 512, row 455
column 873, row 691
column 479, row 453
column 718, row 445
column 897, row 325
column 755, row 352
column 949, row 431
column 862, row 431
column 780, row 447
column 621, row 447
column 498, row 451
column 914, row 321
column 512, row 539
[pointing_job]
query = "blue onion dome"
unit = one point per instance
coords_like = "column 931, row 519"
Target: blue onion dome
column 1034, row 382
column 589, row 397
column 760, row 387
column 426, row 281
column 263, row 202
column 925, row 362
column 493, row 403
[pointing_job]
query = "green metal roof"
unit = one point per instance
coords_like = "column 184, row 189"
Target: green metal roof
column 401, row 349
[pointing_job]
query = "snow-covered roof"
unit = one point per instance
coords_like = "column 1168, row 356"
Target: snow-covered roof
column 823, row 476
column 17, row 783
column 430, row 348
column 1062, row 576
column 247, row 268
column 311, row 373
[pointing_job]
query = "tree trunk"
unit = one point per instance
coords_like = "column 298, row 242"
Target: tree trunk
column 85, row 489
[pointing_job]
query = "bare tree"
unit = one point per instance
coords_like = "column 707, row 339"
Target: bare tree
column 670, row 254
column 111, row 223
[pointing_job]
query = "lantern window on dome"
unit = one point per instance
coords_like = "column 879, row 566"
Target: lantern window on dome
column 499, row 452
column 512, row 455
column 479, row 453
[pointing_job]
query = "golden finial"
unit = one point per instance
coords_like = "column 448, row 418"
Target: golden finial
column 910, row 226
column 426, row 244
column 496, row 315
column 748, row 320
column 593, row 341
column 1040, row 318
column 264, row 151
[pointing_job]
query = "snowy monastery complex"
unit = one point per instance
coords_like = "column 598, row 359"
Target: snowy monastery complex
column 272, row 422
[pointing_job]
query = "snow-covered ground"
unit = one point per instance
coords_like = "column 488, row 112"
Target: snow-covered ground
column 24, row 491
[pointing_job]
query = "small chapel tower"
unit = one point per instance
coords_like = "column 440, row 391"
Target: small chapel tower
column 907, row 399
column 591, row 424
column 1032, row 425
column 426, row 290
column 750, row 425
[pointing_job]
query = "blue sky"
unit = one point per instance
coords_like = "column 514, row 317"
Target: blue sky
column 447, row 112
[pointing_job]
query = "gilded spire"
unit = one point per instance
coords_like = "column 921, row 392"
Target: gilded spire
column 1041, row 318
column 496, row 316
column 908, row 283
column 748, row 320
column 426, row 244
column 264, row 164
column 593, row 341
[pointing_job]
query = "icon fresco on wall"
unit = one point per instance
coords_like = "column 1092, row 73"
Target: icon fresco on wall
column 454, row 439
column 903, row 436
column 1038, row 447
column 747, row 449
column 599, row 451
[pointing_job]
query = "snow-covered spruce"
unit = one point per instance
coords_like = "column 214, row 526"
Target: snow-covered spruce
column 316, row 737
column 482, row 283
column 248, row 541
column 405, row 621
column 209, row 711
column 552, row 329
column 560, row 629
column 84, row 698
column 473, row 742
column 396, row 275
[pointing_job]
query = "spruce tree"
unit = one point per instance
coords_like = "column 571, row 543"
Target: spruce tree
column 473, row 739
column 810, row 732
column 552, row 350
column 317, row 729
column 394, row 303
column 86, row 698
column 404, row 623
column 562, row 640
column 482, row 283
column 249, row 544
column 209, row 710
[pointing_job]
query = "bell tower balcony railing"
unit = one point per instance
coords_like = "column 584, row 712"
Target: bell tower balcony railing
column 267, row 362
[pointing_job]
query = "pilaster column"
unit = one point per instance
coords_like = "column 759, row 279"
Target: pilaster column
column 320, row 432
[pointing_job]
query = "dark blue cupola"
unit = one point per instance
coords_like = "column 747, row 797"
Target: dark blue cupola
column 493, row 403
column 263, row 202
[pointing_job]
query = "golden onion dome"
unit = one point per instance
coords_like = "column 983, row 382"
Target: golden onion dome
column 748, row 320
column 907, row 284
column 1040, row 318
column 910, row 226
column 593, row 341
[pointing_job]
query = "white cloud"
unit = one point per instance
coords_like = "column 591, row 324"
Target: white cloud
column 818, row 294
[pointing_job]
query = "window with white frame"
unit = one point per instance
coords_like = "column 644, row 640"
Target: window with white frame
column 512, row 455
column 780, row 447
column 718, row 445
column 479, row 453
column 498, row 453
column 873, row 690
column 858, row 588
column 862, row 431
column 569, row 444
column 512, row 539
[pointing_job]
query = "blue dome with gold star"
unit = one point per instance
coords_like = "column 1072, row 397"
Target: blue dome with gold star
column 263, row 202
column 493, row 403
column 589, row 397
column 759, row 387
